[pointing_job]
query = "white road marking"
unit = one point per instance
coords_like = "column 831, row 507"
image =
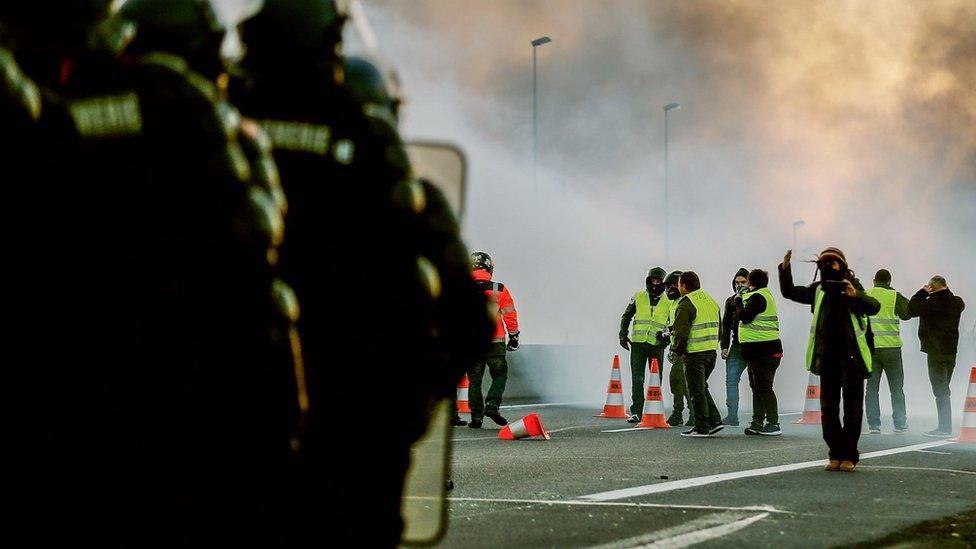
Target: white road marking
column 689, row 533
column 544, row 404
column 576, row 502
column 550, row 431
column 935, row 452
column 715, row 532
column 712, row 479
column 633, row 429
column 937, row 469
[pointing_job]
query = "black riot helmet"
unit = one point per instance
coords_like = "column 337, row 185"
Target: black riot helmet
column 295, row 30
column 63, row 27
column 481, row 260
column 373, row 83
column 671, row 283
column 188, row 28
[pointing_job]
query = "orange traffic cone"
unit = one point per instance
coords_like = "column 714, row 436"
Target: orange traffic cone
column 528, row 426
column 614, row 408
column 653, row 417
column 968, row 431
column 811, row 409
column 462, row 396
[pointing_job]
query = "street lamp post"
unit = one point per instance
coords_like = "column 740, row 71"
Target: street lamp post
column 535, row 96
column 797, row 223
column 667, row 211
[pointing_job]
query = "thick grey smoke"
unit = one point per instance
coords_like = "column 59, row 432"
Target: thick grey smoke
column 857, row 117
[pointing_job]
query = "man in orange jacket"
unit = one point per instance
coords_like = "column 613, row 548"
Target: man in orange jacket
column 506, row 324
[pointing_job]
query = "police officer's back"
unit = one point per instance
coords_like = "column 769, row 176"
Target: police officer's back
column 139, row 294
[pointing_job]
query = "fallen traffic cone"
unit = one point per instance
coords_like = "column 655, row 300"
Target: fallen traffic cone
column 968, row 431
column 614, row 408
column 653, row 417
column 528, row 426
column 462, row 396
column 811, row 409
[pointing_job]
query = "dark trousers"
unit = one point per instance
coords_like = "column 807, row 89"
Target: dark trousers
column 698, row 366
column 679, row 385
column 640, row 355
column 734, row 366
column 837, row 381
column 940, row 373
column 497, row 367
column 764, row 407
column 886, row 361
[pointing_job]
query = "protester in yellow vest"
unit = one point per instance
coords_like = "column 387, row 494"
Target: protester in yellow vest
column 887, row 358
column 696, row 327
column 762, row 350
column 679, row 385
column 648, row 312
column 838, row 349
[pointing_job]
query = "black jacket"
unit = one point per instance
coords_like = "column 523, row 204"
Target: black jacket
column 746, row 314
column 729, row 331
column 834, row 340
column 938, row 326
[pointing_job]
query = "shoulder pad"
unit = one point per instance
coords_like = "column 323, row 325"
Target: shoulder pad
column 17, row 87
column 177, row 65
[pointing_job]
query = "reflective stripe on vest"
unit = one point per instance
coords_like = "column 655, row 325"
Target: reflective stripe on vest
column 859, row 333
column 704, row 329
column 885, row 324
column 649, row 319
column 765, row 327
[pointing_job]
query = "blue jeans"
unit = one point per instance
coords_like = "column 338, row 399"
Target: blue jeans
column 734, row 366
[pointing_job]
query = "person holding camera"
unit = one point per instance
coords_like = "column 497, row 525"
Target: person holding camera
column 731, row 352
column 839, row 349
column 938, row 330
column 762, row 350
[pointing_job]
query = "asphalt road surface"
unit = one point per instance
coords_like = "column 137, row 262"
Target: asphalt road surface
column 590, row 486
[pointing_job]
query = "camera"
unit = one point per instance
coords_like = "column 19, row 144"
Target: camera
column 834, row 286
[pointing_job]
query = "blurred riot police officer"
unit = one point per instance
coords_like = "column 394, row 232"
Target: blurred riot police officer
column 374, row 256
column 146, row 398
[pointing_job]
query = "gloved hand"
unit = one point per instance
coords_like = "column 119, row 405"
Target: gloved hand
column 659, row 337
column 725, row 354
column 671, row 357
column 513, row 343
column 625, row 342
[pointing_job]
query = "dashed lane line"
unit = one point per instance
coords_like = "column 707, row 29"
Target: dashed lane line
column 689, row 533
column 582, row 503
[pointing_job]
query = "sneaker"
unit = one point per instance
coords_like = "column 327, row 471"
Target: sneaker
column 633, row 419
column 730, row 421
column 874, row 430
column 832, row 465
column 496, row 417
column 675, row 419
column 752, row 429
column 846, row 466
column 770, row 430
column 458, row 422
column 474, row 423
column 693, row 432
column 901, row 430
column 935, row 433
column 716, row 428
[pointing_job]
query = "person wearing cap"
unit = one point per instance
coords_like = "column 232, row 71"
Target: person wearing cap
column 938, row 311
column 731, row 351
column 696, row 327
column 887, row 357
column 648, row 312
column 838, row 350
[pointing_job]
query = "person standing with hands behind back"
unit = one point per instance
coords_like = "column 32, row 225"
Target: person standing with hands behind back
column 838, row 349
column 938, row 329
